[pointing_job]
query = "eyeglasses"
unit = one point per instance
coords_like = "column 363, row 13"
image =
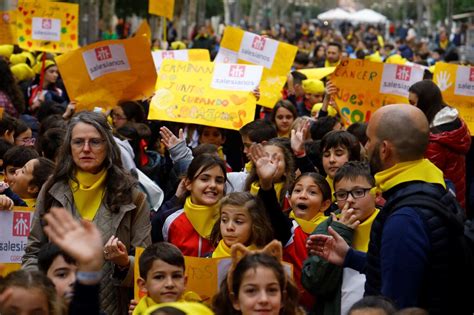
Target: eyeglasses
column 27, row 141
column 94, row 143
column 356, row 193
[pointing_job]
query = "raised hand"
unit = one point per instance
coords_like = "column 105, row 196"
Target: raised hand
column 169, row 139
column 79, row 239
column 330, row 247
column 265, row 166
column 298, row 137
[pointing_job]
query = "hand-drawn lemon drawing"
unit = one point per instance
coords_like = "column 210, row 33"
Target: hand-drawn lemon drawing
column 162, row 99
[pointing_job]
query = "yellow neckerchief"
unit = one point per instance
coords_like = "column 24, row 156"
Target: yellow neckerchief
column 309, row 226
column 328, row 64
column 220, row 152
column 444, row 44
column 223, row 251
column 202, row 218
column 285, row 135
column 255, row 187
column 362, row 233
column 419, row 170
column 331, row 184
column 146, row 302
column 248, row 166
column 89, row 193
column 380, row 40
column 188, row 308
column 30, row 202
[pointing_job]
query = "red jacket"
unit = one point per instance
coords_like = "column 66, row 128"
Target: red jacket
column 179, row 231
column 295, row 253
column 447, row 150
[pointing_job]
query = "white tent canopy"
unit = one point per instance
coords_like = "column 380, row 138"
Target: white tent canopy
column 336, row 14
column 368, row 16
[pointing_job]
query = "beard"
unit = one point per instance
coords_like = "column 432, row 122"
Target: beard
column 374, row 160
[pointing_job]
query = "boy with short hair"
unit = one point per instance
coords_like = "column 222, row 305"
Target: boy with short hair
column 337, row 288
column 60, row 268
column 162, row 275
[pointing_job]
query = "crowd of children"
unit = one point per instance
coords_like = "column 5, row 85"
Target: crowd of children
column 258, row 197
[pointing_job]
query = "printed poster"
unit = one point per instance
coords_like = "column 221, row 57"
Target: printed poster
column 182, row 54
column 361, row 88
column 276, row 57
column 204, row 93
column 14, row 230
column 162, row 8
column 47, row 26
column 457, row 87
column 106, row 72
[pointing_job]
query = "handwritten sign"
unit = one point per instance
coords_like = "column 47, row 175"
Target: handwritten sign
column 162, row 8
column 14, row 230
column 47, row 26
column 104, row 73
column 276, row 57
column 182, row 54
column 184, row 93
column 457, row 87
column 361, row 90
column 8, row 27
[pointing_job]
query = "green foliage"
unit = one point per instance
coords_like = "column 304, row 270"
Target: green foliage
column 125, row 8
column 214, row 7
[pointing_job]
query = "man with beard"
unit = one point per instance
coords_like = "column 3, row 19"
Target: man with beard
column 414, row 257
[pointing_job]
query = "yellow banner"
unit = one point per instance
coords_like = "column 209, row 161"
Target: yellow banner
column 184, row 94
column 277, row 58
column 361, row 84
column 8, row 33
column 47, row 26
column 104, row 73
column 457, row 87
column 162, row 8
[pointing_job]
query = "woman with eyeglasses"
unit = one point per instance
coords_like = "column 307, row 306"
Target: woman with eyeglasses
column 127, row 111
column 23, row 134
column 90, row 182
column 450, row 139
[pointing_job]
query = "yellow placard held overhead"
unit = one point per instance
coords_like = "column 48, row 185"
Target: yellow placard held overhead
column 205, row 93
column 364, row 86
column 276, row 57
column 162, row 8
column 47, row 26
column 104, row 73
column 8, row 27
column 457, row 87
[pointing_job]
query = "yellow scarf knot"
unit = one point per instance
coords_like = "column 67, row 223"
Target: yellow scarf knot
column 202, row 218
column 309, row 226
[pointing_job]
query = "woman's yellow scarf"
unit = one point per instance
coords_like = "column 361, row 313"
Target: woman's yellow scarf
column 202, row 218
column 88, row 193
column 362, row 233
column 255, row 187
column 309, row 226
column 331, row 185
column 223, row 251
column 419, row 170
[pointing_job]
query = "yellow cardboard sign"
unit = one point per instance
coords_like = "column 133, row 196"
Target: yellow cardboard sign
column 104, row 73
column 8, row 27
column 17, row 225
column 457, row 87
column 277, row 58
column 182, row 54
column 360, row 83
column 47, row 26
column 162, row 8
column 184, row 94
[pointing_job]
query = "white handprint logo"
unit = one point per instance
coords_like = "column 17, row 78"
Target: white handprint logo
column 443, row 80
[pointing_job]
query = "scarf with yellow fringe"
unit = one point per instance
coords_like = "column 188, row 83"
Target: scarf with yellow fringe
column 223, row 251
column 309, row 226
column 419, row 170
column 202, row 218
column 88, row 193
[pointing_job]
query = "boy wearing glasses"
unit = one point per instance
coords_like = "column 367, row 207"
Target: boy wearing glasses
column 337, row 288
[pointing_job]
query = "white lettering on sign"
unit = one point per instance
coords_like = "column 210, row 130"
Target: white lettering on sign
column 397, row 79
column 46, row 29
column 464, row 81
column 105, row 59
column 258, row 50
column 235, row 77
